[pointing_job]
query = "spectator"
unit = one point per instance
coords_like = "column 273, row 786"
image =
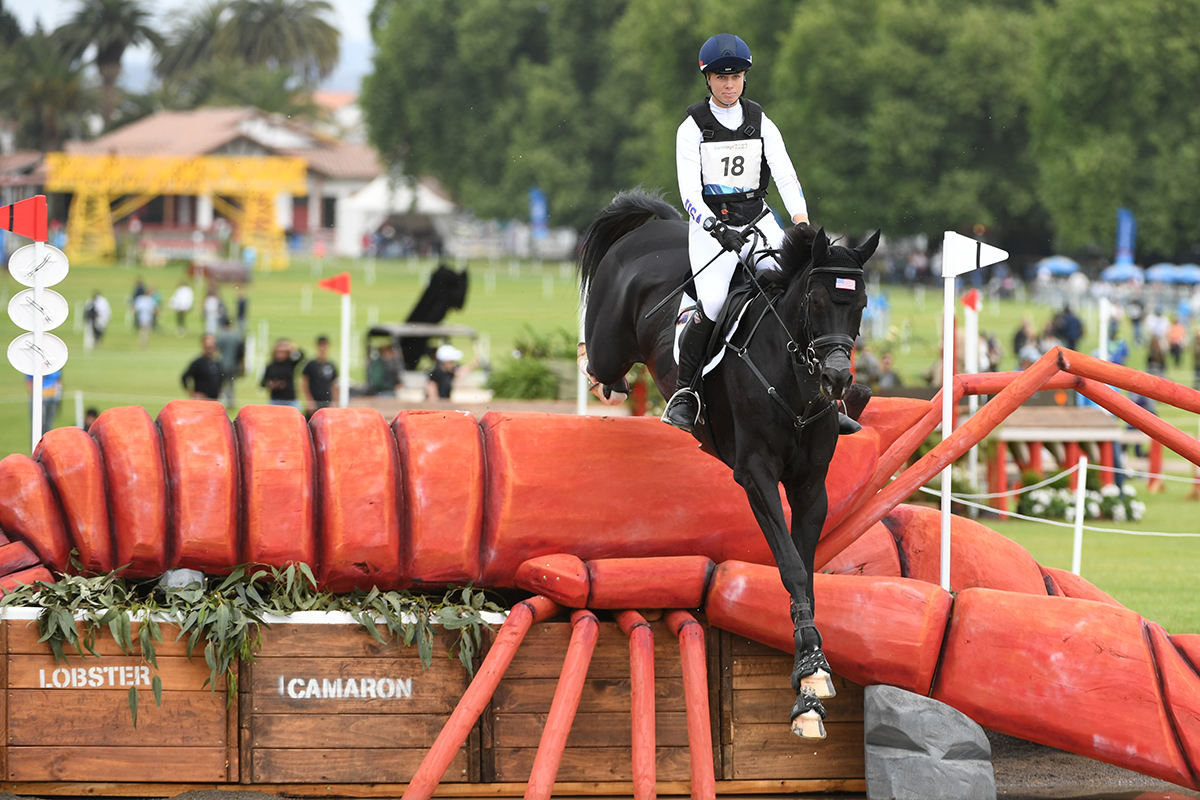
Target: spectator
column 243, row 309
column 52, row 392
column 383, row 372
column 181, row 303
column 1176, row 339
column 204, row 373
column 888, row 379
column 1156, row 356
column 445, row 370
column 144, row 309
column 232, row 348
column 1196, row 360
column 1070, row 330
column 89, row 417
column 1022, row 337
column 1157, row 326
column 98, row 313
column 1136, row 313
column 317, row 378
column 214, row 310
column 279, row 377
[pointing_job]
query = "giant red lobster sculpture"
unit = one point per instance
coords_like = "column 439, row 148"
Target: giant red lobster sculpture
column 573, row 509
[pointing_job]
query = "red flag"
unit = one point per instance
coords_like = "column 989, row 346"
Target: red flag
column 971, row 300
column 28, row 218
column 338, row 283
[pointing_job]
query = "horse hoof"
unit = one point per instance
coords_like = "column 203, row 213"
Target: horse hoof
column 809, row 725
column 821, row 684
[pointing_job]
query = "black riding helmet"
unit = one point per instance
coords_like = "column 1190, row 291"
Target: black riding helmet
column 725, row 54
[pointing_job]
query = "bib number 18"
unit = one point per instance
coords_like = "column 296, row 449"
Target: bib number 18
column 734, row 166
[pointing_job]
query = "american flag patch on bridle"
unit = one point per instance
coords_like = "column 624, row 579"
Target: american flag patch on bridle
column 844, row 283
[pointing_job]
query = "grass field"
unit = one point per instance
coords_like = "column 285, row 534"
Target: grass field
column 1152, row 575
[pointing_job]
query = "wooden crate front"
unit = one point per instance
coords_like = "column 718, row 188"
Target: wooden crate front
column 72, row 722
column 329, row 704
column 599, row 745
column 757, row 742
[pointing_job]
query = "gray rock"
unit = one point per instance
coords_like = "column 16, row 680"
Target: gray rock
column 920, row 749
column 180, row 578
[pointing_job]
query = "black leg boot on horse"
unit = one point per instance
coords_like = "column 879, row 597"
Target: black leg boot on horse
column 812, row 679
column 684, row 407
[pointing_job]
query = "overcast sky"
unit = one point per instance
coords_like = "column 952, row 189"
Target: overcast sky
column 350, row 17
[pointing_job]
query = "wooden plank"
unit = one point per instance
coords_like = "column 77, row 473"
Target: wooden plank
column 151, row 764
column 363, row 765
column 23, row 638
column 328, row 685
column 352, row 731
column 757, row 674
column 3, row 700
column 712, row 652
column 541, row 654
column 773, row 752
column 590, row 730
column 723, row 679
column 593, row 764
column 246, row 722
column 88, row 717
column 351, row 641
column 111, row 673
column 774, row 707
column 233, row 750
column 599, row 695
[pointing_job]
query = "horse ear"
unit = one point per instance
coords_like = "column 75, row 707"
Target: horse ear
column 867, row 248
column 820, row 248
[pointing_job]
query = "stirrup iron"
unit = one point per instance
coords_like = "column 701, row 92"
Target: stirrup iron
column 677, row 405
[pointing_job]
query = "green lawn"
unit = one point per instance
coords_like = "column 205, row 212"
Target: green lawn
column 1152, row 575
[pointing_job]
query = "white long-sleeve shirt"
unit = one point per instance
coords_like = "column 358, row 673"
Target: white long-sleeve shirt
column 687, row 163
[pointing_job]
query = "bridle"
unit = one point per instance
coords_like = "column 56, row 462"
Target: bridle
column 807, row 362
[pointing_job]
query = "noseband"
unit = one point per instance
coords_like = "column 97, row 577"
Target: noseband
column 842, row 283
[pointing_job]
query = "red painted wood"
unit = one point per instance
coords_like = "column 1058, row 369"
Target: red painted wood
column 695, row 694
column 1142, row 419
column 874, row 630
column 1074, row 586
column 641, row 698
column 71, row 459
column 891, row 417
column 202, row 481
column 29, row 511
column 873, row 553
column 998, row 478
column 585, row 630
column 1073, row 452
column 561, row 577
column 1143, row 383
column 1181, row 692
column 666, row 582
column 15, row 557
column 277, row 471
column 137, row 489
column 358, row 473
column 441, row 461
column 1078, row 673
column 996, row 382
column 479, row 693
column 850, row 470
column 25, row 577
column 1106, row 460
column 943, row 455
column 1189, row 645
column 978, row 555
column 550, row 473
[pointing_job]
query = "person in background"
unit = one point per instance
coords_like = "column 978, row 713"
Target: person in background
column 445, row 370
column 232, row 348
column 243, row 309
column 89, row 418
column 888, row 379
column 204, row 373
column 52, row 392
column 98, row 313
column 383, row 372
column 214, row 309
column 181, row 302
column 1156, row 356
column 144, row 311
column 317, row 378
column 1176, row 339
column 279, row 377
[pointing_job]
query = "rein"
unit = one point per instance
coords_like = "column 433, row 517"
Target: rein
column 806, row 364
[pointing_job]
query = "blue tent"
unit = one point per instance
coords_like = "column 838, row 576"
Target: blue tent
column 1189, row 273
column 1058, row 266
column 1119, row 273
column 1162, row 272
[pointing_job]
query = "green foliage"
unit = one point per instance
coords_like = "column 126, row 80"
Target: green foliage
column 225, row 616
column 558, row 343
column 44, row 93
column 524, row 379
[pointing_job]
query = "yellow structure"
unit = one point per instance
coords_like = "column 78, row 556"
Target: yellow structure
column 242, row 187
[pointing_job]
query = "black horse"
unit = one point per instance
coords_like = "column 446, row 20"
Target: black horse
column 770, row 404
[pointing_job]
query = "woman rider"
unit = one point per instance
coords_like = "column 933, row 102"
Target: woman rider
column 726, row 151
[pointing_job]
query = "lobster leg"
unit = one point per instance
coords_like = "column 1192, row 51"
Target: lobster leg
column 641, row 696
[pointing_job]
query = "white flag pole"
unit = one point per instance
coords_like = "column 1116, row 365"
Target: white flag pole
column 344, row 383
column 35, row 405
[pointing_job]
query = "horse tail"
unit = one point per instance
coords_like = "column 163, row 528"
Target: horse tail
column 627, row 212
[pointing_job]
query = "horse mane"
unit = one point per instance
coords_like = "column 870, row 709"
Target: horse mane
column 627, row 212
column 795, row 254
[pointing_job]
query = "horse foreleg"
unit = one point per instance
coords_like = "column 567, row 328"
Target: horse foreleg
column 809, row 503
column 762, row 490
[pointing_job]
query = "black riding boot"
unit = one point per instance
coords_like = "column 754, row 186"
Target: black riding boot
column 683, row 409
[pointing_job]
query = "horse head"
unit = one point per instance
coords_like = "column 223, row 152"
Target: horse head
column 835, row 295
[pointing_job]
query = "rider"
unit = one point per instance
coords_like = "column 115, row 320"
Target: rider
column 726, row 151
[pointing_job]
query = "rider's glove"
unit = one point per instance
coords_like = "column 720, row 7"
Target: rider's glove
column 730, row 239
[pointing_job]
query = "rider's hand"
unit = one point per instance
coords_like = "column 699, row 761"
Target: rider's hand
column 730, row 239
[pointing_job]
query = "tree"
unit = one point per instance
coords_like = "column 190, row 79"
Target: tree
column 282, row 34
column 1115, row 121
column 10, row 28
column 110, row 26
column 46, row 92
column 191, row 42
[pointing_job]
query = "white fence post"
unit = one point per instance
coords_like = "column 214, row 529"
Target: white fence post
column 1080, row 492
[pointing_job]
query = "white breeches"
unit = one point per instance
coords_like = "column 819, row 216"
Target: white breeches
column 712, row 285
